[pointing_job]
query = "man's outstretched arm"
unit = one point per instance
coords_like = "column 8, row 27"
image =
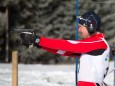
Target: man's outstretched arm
column 63, row 47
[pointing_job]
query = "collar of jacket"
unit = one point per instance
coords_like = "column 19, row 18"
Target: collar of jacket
column 99, row 35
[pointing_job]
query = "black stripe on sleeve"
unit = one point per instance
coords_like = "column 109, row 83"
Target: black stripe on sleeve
column 96, row 52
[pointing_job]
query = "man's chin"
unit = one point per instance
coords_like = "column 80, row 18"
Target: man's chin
column 81, row 36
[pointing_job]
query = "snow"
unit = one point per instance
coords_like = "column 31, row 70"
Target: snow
column 43, row 75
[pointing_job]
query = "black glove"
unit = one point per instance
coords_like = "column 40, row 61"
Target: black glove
column 27, row 39
column 113, row 51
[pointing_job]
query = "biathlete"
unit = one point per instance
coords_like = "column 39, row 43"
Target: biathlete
column 92, row 50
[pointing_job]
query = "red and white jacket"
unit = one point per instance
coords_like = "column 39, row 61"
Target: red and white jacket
column 93, row 52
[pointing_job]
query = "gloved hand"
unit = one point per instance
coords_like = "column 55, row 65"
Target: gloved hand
column 113, row 51
column 27, row 39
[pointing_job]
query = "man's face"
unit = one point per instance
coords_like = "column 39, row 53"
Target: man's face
column 83, row 31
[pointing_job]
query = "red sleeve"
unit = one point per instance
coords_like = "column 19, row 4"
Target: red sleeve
column 83, row 46
column 63, row 53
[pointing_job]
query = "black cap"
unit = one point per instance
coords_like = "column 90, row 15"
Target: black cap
column 90, row 18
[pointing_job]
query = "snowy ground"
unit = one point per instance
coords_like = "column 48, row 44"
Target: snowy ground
column 43, row 75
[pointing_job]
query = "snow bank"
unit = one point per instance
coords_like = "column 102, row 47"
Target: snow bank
column 43, row 75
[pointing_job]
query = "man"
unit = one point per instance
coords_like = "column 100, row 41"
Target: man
column 92, row 49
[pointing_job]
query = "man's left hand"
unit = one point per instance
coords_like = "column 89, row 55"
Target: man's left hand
column 27, row 39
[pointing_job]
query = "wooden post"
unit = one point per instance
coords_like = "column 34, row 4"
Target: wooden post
column 14, row 68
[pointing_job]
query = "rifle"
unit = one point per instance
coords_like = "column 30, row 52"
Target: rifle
column 31, row 31
column 23, row 30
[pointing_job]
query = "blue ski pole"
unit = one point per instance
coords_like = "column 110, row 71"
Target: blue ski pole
column 114, row 60
column 76, row 39
column 114, row 71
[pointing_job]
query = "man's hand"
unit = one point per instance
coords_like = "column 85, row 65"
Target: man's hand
column 29, row 39
column 113, row 51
